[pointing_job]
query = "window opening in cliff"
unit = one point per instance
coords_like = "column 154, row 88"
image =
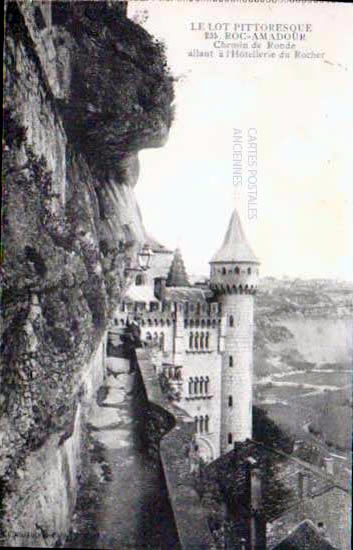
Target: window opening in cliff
column 39, row 19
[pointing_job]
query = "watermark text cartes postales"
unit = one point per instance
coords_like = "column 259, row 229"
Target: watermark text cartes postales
column 245, row 165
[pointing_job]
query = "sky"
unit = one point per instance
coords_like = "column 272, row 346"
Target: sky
column 300, row 116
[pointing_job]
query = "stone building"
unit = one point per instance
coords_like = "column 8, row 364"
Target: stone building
column 202, row 335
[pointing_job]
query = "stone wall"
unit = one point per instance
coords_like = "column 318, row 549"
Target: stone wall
column 177, row 432
column 43, row 494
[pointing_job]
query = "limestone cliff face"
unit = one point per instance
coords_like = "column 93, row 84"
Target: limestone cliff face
column 85, row 90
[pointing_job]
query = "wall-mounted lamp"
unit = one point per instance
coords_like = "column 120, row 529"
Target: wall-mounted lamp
column 144, row 257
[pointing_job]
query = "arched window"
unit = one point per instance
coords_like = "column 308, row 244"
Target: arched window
column 224, row 271
column 231, row 321
column 207, row 426
column 230, row 401
column 230, row 439
column 138, row 280
column 207, row 340
column 196, row 340
column 196, row 424
column 149, row 322
column 249, row 270
column 116, row 322
column 196, row 385
column 161, row 341
column 201, row 384
column 191, row 340
column 230, row 360
column 148, row 336
column 207, row 381
column 236, row 270
column 202, row 337
column 191, row 384
column 201, row 424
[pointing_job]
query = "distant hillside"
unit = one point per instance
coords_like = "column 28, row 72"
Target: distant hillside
column 303, row 324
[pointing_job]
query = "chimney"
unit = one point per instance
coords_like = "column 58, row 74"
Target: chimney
column 159, row 288
column 257, row 521
column 304, row 483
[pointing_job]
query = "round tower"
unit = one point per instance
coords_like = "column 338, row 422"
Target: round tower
column 234, row 275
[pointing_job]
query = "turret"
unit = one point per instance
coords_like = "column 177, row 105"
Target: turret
column 177, row 273
column 234, row 274
column 234, row 268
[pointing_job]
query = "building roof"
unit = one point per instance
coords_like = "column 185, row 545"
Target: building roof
column 305, row 537
column 185, row 294
column 235, row 247
column 145, row 293
column 177, row 276
column 280, row 492
column 141, row 293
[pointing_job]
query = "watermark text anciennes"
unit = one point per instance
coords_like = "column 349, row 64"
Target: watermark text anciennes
column 245, row 165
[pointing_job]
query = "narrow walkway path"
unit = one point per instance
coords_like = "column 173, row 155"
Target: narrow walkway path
column 124, row 503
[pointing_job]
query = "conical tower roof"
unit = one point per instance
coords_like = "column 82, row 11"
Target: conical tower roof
column 177, row 274
column 235, row 247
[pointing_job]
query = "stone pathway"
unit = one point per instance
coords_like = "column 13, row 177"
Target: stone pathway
column 124, row 504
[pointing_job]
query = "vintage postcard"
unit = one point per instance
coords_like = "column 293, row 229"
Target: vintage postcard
column 177, row 261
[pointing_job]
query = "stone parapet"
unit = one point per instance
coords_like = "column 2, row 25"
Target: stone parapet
column 190, row 517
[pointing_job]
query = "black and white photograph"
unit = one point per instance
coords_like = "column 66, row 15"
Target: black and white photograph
column 176, row 275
